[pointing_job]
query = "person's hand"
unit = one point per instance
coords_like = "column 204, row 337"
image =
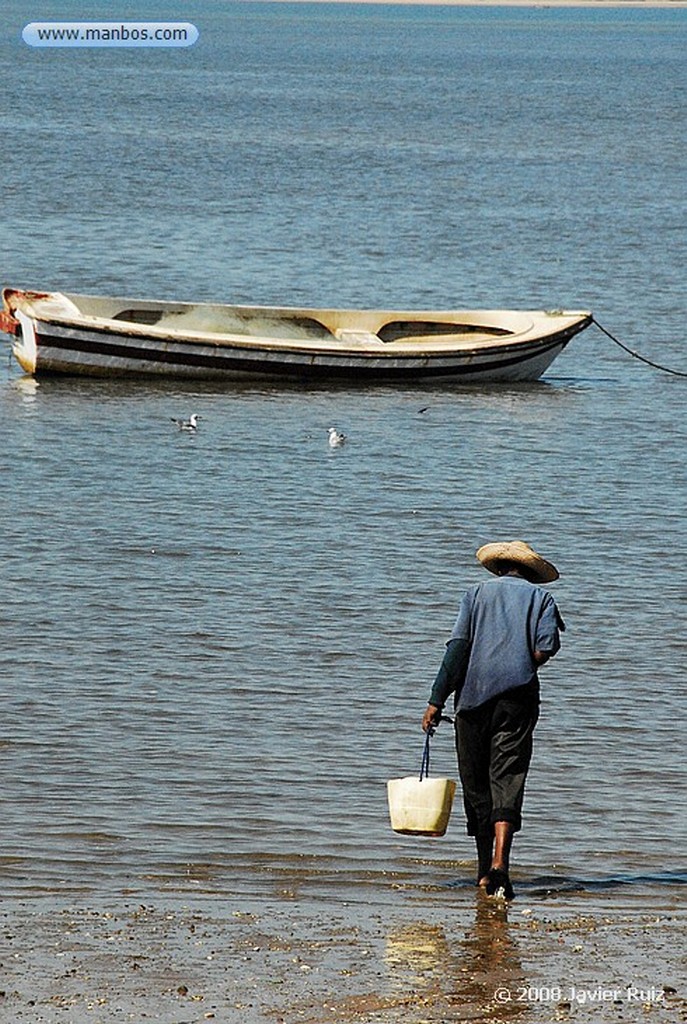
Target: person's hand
column 431, row 717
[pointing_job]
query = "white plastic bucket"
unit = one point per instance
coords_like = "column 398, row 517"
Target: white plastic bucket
column 420, row 807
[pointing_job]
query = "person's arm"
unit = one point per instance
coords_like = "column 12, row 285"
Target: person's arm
column 449, row 679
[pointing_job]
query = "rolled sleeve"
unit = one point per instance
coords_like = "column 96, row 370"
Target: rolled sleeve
column 462, row 629
column 547, row 639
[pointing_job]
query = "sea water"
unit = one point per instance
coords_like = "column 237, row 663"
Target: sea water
column 218, row 646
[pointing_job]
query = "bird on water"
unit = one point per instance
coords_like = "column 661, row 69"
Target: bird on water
column 190, row 424
column 336, row 438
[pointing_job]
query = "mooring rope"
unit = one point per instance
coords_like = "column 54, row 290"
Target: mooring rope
column 643, row 359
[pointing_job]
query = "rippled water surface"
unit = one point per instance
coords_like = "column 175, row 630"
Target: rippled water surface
column 217, row 647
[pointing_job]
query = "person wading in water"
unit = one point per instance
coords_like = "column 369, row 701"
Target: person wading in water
column 506, row 629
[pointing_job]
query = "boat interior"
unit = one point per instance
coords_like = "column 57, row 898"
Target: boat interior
column 325, row 325
column 402, row 330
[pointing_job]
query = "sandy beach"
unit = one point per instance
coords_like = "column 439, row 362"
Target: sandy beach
column 238, row 962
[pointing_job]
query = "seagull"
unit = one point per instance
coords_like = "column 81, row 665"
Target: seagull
column 190, row 424
column 336, row 438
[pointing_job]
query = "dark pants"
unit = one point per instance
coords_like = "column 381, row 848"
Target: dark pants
column 494, row 746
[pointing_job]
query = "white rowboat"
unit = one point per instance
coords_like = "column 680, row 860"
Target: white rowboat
column 59, row 332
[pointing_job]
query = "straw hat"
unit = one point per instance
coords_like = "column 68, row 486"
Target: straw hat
column 538, row 569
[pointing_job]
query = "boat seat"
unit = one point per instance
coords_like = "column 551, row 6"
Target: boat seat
column 355, row 337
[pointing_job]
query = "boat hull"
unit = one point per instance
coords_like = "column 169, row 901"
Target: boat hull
column 53, row 346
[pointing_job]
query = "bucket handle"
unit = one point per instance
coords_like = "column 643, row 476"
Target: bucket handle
column 424, row 767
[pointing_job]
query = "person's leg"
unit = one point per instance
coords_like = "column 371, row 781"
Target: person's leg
column 498, row 879
column 511, row 752
column 485, row 846
column 503, row 840
column 472, row 748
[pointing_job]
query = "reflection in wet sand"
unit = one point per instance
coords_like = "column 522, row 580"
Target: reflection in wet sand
column 491, row 973
column 417, row 954
column 477, row 977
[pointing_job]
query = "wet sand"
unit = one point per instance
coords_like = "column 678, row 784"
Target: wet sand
column 281, row 961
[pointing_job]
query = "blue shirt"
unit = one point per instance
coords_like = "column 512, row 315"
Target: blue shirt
column 504, row 620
